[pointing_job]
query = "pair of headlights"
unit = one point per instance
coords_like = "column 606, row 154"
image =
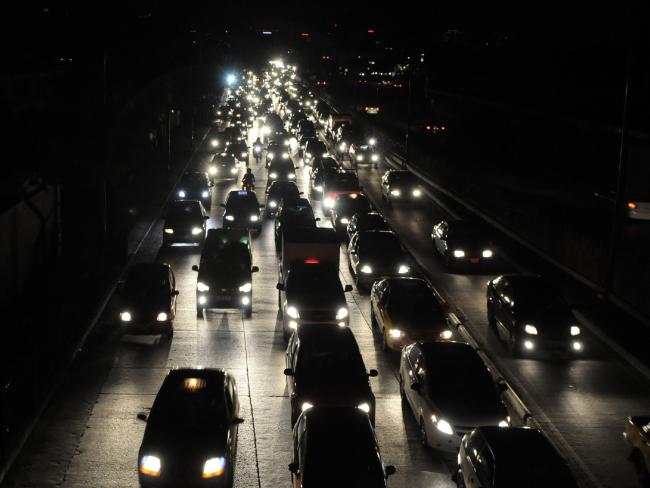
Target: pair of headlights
column 293, row 312
column 151, row 466
column 126, row 316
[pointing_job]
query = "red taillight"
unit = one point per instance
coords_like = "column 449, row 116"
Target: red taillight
column 312, row 261
column 631, row 205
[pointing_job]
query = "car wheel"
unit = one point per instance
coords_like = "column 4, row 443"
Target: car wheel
column 373, row 319
column 385, row 341
column 294, row 417
column 423, row 434
column 460, row 482
column 402, row 393
column 490, row 317
column 513, row 345
column 169, row 332
column 248, row 312
column 199, row 312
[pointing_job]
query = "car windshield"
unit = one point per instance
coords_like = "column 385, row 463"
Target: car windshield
column 223, row 159
column 186, row 210
column 536, row 297
column 379, row 244
column 298, row 217
column 343, row 182
column 402, row 179
column 415, row 300
column 372, row 222
column 247, row 201
column 189, row 406
column 462, row 377
column 147, row 283
column 331, row 362
column 313, row 280
column 350, row 206
column 233, row 257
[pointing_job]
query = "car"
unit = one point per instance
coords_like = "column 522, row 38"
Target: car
column 320, row 174
column 239, row 150
column 345, row 431
column 293, row 214
column 148, row 299
column 530, row 314
column 281, row 170
column 225, row 272
column 339, row 183
column 506, row 457
column 233, row 134
column 405, row 310
column 638, row 209
column 459, row 243
column 195, row 186
column 450, row 391
column 345, row 207
column 637, row 434
column 224, row 166
column 191, row 433
column 366, row 221
column 185, row 223
column 345, row 135
column 400, row 185
column 277, row 191
column 363, row 153
column 242, row 209
column 324, row 367
column 312, row 294
column 276, row 152
column 376, row 254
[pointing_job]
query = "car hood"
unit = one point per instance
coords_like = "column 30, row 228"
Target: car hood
column 144, row 308
column 550, row 325
column 180, row 447
column 468, row 409
column 332, row 389
column 222, row 279
column 183, row 223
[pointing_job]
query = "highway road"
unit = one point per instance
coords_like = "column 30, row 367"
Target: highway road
column 90, row 434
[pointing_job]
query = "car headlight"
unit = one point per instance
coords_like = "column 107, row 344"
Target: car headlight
column 162, row 317
column 328, row 202
column 366, row 268
column 214, row 142
column 270, row 155
column 458, row 253
column 530, row 329
column 196, row 231
column 374, row 158
column 306, row 406
column 308, row 155
column 212, row 170
column 126, row 317
column 214, row 467
column 273, row 175
column 293, row 312
column 229, row 218
column 286, row 143
column 403, row 269
column 318, row 188
column 202, row 286
column 344, row 221
column 446, row 334
column 205, row 194
column 244, row 154
column 233, row 170
column 372, row 141
column 150, row 465
column 417, row 192
column 246, row 288
column 292, row 176
column 169, row 230
column 575, row 330
column 341, row 313
column 342, row 146
column 504, row 423
column 444, row 427
column 272, row 204
column 285, row 155
column 181, row 193
column 395, row 333
column 487, row 253
column 365, row 407
column 254, row 218
column 395, row 193
column 359, row 157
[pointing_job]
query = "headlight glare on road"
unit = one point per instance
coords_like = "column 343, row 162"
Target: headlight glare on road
column 459, row 253
column 214, row 467
column 444, row 427
column 150, row 465
column 161, row 317
column 229, row 218
column 126, row 317
column 169, row 230
column 182, row 193
column 202, row 287
column 487, row 253
column 246, row 288
column 446, row 334
column 403, row 269
column 366, row 269
column 341, row 313
column 365, row 407
column 196, row 231
column 530, row 329
column 395, row 333
column 293, row 312
column 575, row 330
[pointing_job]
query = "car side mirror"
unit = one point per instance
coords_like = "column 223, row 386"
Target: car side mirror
column 347, row 288
column 144, row 416
column 175, row 293
column 237, row 420
column 262, row 206
column 222, row 205
column 301, row 193
column 288, row 372
column 373, row 373
column 195, row 268
column 415, row 386
column 294, row 468
column 502, row 386
column 279, row 286
column 390, row 470
column 210, row 184
column 254, row 269
column 317, row 219
column 206, row 217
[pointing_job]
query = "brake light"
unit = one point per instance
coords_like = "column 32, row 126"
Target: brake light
column 312, row 261
column 631, row 205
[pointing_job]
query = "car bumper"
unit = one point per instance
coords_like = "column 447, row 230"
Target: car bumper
column 530, row 345
column 225, row 299
column 291, row 324
column 146, row 328
column 398, row 343
column 175, row 481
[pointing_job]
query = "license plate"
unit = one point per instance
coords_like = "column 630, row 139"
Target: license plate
column 474, row 260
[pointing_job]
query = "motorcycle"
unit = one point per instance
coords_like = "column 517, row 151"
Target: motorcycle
column 257, row 150
column 248, row 186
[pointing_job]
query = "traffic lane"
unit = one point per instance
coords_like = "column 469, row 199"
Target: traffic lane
column 595, row 380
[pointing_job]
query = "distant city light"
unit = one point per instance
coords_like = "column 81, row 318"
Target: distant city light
column 267, row 33
column 231, row 79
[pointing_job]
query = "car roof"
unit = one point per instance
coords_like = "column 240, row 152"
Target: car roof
column 320, row 336
column 204, row 373
column 328, row 419
column 513, row 442
column 448, row 352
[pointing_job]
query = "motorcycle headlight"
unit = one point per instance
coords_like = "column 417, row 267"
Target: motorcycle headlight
column 487, row 253
column 504, row 423
column 229, row 218
column 395, row 333
column 530, row 329
column 372, row 141
column 202, row 287
column 162, row 317
column 214, row 142
column 254, row 218
column 364, row 406
column 403, row 269
column 272, row 204
column 444, row 427
column 292, row 176
column 273, row 175
column 308, row 155
column 366, row 268
column 150, row 465
column 233, row 171
column 446, row 334
column 359, row 157
column 345, row 221
column 293, row 312
column 205, row 194
column 342, row 146
column 244, row 154
column 196, row 231
column 341, row 313
column 246, row 288
column 169, row 231
column 214, row 467
column 270, row 155
column 212, row 170
column 318, row 188
column 374, row 158
column 575, row 330
column 125, row 317
column 285, row 155
column 182, row 193
column 306, row 406
column 458, row 253
column 328, row 202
